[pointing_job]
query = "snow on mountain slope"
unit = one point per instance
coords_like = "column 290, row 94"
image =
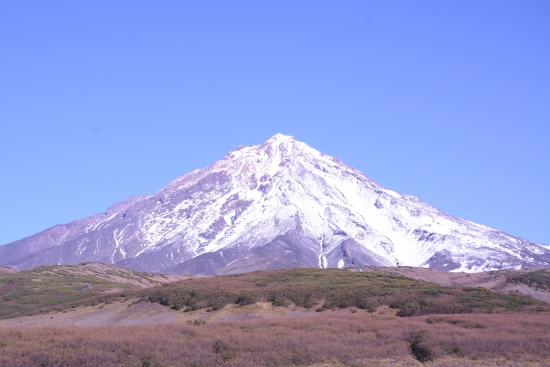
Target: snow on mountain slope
column 275, row 205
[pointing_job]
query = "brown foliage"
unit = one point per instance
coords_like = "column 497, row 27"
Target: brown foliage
column 342, row 336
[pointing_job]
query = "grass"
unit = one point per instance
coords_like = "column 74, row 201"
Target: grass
column 342, row 338
column 48, row 288
column 539, row 279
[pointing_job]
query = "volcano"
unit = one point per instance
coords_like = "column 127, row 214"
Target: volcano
column 276, row 205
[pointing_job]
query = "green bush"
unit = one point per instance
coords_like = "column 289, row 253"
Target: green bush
column 420, row 348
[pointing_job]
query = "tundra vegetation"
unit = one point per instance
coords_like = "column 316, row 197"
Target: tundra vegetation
column 539, row 279
column 361, row 316
column 47, row 288
column 337, row 339
column 331, row 289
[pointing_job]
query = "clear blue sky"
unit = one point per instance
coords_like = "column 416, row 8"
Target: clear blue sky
column 445, row 100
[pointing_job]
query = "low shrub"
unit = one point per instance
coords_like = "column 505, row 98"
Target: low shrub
column 420, row 349
column 339, row 337
column 335, row 289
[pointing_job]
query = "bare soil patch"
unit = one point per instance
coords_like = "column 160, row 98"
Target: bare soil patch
column 145, row 313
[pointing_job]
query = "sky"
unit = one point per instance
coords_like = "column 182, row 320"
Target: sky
column 445, row 100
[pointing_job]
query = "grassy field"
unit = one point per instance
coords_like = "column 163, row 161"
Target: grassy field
column 48, row 288
column 341, row 338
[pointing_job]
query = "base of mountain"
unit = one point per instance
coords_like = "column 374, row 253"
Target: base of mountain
column 54, row 289
column 290, row 317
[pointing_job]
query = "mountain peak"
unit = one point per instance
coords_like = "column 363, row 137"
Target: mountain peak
column 269, row 206
column 279, row 140
column 280, row 137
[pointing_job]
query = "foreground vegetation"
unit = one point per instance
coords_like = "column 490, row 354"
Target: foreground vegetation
column 362, row 317
column 337, row 338
column 54, row 289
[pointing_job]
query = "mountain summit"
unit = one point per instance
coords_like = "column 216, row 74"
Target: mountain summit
column 275, row 205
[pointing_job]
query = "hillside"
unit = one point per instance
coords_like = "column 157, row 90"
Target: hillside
column 331, row 289
column 48, row 288
column 532, row 283
column 62, row 288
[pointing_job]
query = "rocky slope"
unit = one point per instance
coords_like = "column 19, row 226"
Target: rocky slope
column 275, row 205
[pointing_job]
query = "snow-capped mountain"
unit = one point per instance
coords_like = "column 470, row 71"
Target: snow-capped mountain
column 275, row 205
